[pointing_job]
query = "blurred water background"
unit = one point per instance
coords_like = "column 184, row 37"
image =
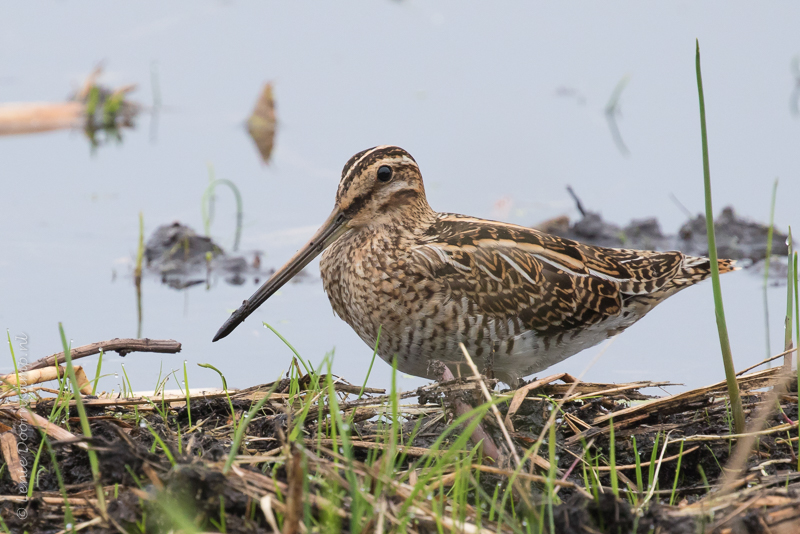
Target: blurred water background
column 502, row 106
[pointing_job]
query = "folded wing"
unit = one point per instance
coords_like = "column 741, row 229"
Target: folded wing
column 551, row 284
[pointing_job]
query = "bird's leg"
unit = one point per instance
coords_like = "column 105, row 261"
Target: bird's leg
column 443, row 374
column 488, row 365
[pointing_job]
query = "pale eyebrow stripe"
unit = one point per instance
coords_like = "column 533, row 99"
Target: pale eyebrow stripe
column 359, row 160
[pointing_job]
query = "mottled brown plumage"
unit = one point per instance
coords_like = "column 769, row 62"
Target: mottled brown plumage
column 430, row 280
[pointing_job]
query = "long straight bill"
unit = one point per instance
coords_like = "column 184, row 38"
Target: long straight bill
column 333, row 228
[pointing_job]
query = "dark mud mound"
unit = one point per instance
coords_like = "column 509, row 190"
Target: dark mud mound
column 182, row 258
column 738, row 238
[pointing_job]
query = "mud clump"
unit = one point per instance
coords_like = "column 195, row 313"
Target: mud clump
column 183, row 258
column 737, row 238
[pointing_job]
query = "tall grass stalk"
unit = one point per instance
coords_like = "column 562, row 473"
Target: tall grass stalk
column 188, row 396
column 237, row 440
column 787, row 345
column 703, row 476
column 64, row 396
column 225, row 389
column 639, row 481
column 207, row 209
column 85, row 429
column 307, row 367
column 358, row 504
column 16, row 369
column 140, row 248
column 33, row 482
column 797, row 333
column 651, row 469
column 395, row 428
column 369, row 371
column 551, row 475
column 724, row 340
column 157, row 440
column 612, row 458
column 767, row 258
column 677, row 475
column 137, row 276
column 796, row 304
column 68, row 519
column 130, row 392
column 770, row 231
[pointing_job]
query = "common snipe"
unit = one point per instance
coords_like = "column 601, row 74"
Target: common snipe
column 431, row 280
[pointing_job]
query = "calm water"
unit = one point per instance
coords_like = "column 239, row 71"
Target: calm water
column 502, row 109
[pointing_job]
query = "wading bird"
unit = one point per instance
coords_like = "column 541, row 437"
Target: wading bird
column 519, row 299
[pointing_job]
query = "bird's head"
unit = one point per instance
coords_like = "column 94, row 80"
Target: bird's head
column 379, row 186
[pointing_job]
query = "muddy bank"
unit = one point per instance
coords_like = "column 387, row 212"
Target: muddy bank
column 316, row 451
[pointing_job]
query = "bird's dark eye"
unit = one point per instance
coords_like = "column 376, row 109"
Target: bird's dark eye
column 384, row 173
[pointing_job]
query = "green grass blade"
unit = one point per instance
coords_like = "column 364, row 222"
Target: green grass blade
column 224, row 388
column 653, row 455
column 612, row 459
column 32, row 483
column 770, row 233
column 16, row 370
column 237, row 440
column 639, row 481
column 68, row 519
column 369, row 371
column 722, row 327
column 97, row 373
column 161, row 443
column 188, row 396
column 308, row 367
column 677, row 475
column 796, row 304
column 551, row 475
column 207, row 210
column 87, row 431
column 767, row 258
column 787, row 345
column 137, row 276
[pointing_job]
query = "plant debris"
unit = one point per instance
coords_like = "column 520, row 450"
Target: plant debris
column 101, row 112
column 262, row 122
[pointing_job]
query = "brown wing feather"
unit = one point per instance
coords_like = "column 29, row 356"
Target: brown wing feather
column 551, row 284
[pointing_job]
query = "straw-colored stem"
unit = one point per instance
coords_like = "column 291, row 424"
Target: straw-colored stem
column 137, row 276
